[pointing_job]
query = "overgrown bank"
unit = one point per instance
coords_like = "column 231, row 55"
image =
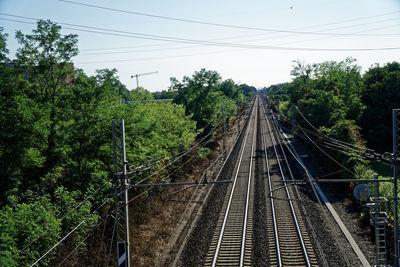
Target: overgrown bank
column 55, row 141
column 343, row 115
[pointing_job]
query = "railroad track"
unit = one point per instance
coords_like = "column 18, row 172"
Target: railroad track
column 232, row 241
column 289, row 244
column 322, row 199
column 282, row 218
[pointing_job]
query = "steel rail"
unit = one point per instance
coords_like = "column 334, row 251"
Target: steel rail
column 278, row 254
column 248, row 192
column 194, row 222
column 221, row 234
column 318, row 192
column 303, row 247
column 293, row 181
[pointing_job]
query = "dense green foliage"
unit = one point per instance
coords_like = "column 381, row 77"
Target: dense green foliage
column 381, row 94
column 335, row 95
column 55, row 141
column 342, row 103
column 206, row 97
column 248, row 91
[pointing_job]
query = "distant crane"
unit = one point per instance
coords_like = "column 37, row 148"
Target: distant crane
column 141, row 74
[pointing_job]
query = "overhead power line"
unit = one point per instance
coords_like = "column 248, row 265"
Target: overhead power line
column 216, row 24
column 324, row 135
column 73, row 230
column 260, row 34
column 194, row 41
column 66, row 214
column 175, row 47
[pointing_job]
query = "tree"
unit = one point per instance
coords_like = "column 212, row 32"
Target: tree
column 17, row 122
column 3, row 46
column 248, row 91
column 25, row 223
column 232, row 91
column 140, row 94
column 381, row 94
column 206, row 96
column 55, row 142
column 328, row 94
column 43, row 59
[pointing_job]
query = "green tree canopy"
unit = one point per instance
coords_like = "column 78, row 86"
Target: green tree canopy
column 380, row 94
column 206, row 97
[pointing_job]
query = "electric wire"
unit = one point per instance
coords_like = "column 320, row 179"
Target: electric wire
column 247, row 40
column 178, row 167
column 102, row 236
column 329, row 156
column 327, row 143
column 209, row 53
column 346, row 143
column 200, row 143
column 241, row 36
column 112, row 239
column 173, row 161
column 162, row 158
column 195, row 41
column 214, row 24
column 76, row 247
column 327, row 37
column 163, row 179
column 359, row 154
column 298, row 231
column 281, row 138
column 198, row 54
column 203, row 175
column 67, row 235
column 298, row 161
column 197, row 186
column 80, row 243
column 67, row 214
column 328, row 140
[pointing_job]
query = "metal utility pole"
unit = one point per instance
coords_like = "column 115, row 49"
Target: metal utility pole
column 121, row 193
column 224, row 130
column 379, row 219
column 293, row 119
column 396, row 147
column 141, row 74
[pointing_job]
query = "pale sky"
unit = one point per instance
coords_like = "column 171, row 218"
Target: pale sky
column 372, row 24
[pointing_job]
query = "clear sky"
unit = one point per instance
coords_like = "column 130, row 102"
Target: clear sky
column 244, row 55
